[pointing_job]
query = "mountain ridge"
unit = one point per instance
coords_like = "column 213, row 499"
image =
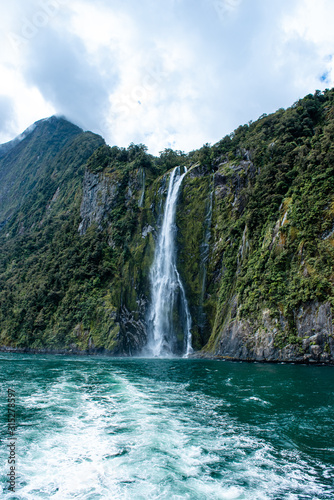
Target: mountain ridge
column 26, row 160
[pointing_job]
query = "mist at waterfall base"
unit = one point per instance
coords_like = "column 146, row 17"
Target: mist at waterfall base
column 129, row 428
column 169, row 321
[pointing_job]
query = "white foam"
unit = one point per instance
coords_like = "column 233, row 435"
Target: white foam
column 135, row 437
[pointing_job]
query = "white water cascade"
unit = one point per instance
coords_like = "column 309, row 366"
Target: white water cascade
column 169, row 320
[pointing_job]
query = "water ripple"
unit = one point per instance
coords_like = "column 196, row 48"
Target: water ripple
column 102, row 429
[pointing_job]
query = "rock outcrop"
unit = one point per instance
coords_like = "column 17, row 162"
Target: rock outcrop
column 266, row 341
column 99, row 196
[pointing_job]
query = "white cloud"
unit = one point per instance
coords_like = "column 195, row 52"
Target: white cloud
column 166, row 73
column 27, row 103
column 312, row 22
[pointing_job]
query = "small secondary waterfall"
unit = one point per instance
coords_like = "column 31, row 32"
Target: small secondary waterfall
column 204, row 254
column 141, row 200
column 169, row 320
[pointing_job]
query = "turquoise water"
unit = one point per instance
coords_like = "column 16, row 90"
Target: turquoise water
column 105, row 428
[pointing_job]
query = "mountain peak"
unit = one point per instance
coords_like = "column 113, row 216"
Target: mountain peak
column 54, row 122
column 25, row 159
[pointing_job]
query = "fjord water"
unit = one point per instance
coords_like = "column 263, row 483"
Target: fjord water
column 169, row 312
column 106, row 428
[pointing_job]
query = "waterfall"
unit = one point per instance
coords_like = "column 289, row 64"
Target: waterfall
column 204, row 255
column 141, row 200
column 169, row 320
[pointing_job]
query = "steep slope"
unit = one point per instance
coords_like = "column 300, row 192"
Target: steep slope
column 273, row 254
column 27, row 159
column 255, row 240
column 6, row 147
column 42, row 175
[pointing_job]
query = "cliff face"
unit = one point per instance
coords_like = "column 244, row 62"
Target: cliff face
column 272, row 255
column 262, row 340
column 97, row 201
column 255, row 243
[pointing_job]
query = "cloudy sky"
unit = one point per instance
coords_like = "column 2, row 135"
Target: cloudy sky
column 167, row 73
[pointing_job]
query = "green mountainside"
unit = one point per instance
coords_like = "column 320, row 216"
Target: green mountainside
column 255, row 218
column 25, row 163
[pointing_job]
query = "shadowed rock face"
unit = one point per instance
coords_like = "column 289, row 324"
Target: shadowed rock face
column 99, row 196
column 133, row 336
column 245, row 340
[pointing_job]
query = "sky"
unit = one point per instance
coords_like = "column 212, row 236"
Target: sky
column 168, row 74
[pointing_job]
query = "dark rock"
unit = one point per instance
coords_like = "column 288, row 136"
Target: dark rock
column 98, row 199
column 240, row 339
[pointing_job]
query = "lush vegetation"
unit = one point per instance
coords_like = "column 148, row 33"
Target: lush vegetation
column 60, row 289
column 255, row 219
column 285, row 212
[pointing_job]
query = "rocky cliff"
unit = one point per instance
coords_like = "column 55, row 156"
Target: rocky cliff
column 255, row 241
